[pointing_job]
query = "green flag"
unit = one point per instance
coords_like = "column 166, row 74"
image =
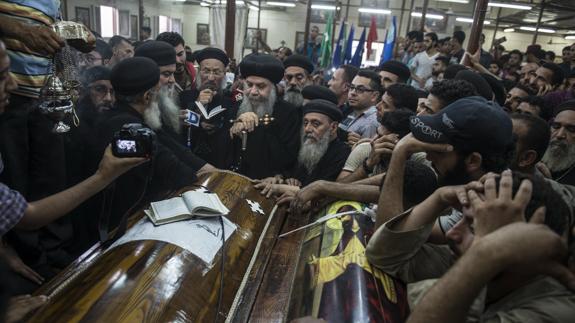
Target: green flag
column 325, row 52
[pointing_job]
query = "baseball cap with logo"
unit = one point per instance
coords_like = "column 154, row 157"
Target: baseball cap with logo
column 469, row 124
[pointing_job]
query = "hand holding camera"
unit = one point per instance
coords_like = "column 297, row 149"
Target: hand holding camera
column 134, row 140
column 112, row 166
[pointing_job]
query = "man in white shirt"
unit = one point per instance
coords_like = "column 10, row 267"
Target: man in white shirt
column 421, row 65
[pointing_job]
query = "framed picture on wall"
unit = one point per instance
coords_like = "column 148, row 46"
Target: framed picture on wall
column 134, row 30
column 83, row 16
column 177, row 26
column 318, row 16
column 124, row 23
column 202, row 34
column 365, row 18
column 299, row 39
column 147, row 22
column 252, row 36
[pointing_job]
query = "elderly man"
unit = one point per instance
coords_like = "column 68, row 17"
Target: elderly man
column 298, row 69
column 560, row 156
column 209, row 138
column 266, row 130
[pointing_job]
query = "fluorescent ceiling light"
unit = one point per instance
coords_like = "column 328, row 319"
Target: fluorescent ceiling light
column 455, row 1
column 470, row 20
column 205, row 4
column 569, row 37
column 509, row 5
column 251, row 6
column 571, row 32
column 541, row 30
column 377, row 11
column 280, row 4
column 508, row 30
column 322, row 7
column 429, row 15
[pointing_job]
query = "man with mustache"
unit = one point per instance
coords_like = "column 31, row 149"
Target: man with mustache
column 548, row 77
column 210, row 139
column 298, row 69
column 270, row 147
column 560, row 155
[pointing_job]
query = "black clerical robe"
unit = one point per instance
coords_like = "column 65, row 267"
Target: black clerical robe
column 271, row 149
column 328, row 167
column 566, row 177
column 211, row 145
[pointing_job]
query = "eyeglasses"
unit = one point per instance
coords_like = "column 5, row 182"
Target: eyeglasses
column 102, row 90
column 215, row 73
column 359, row 89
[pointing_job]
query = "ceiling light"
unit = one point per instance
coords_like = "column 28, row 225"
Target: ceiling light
column 376, row 11
column 280, row 4
column 251, row 6
column 508, row 5
column 205, row 4
column 322, row 7
column 455, row 1
column 541, row 30
column 470, row 20
column 430, row 16
column 508, row 30
column 569, row 37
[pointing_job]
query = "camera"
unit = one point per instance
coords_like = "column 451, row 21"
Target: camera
column 133, row 140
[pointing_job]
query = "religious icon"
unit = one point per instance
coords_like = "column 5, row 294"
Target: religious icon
column 203, row 34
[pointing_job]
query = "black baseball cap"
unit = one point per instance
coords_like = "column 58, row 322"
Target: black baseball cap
column 469, row 124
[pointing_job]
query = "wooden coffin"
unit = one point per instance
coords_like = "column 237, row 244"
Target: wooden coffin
column 155, row 281
column 335, row 282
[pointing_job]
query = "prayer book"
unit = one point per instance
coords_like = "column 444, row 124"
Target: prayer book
column 215, row 111
column 189, row 205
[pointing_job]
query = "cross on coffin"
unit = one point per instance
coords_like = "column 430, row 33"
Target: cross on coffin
column 255, row 207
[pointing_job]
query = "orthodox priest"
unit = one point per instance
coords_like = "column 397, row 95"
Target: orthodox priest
column 268, row 125
column 213, row 106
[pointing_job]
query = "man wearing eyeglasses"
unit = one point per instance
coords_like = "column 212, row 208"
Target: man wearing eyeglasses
column 364, row 93
column 100, row 56
column 210, row 139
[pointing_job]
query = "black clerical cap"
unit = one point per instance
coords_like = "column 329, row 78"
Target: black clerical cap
column 312, row 92
column 262, row 65
column 160, row 52
column 96, row 73
column 566, row 105
column 212, row 52
column 299, row 61
column 481, row 85
column 324, row 107
column 398, row 68
column 135, row 75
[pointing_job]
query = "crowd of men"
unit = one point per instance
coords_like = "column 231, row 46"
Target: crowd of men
column 469, row 167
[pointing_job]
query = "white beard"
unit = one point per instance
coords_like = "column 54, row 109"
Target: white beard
column 170, row 112
column 261, row 108
column 294, row 97
column 559, row 156
column 311, row 152
column 153, row 116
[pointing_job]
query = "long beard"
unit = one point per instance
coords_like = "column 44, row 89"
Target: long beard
column 559, row 156
column 311, row 151
column 294, row 97
column 153, row 116
column 260, row 107
column 170, row 112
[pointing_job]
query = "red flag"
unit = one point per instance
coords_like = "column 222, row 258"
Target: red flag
column 372, row 36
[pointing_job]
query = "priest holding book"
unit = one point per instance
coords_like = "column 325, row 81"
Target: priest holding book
column 211, row 105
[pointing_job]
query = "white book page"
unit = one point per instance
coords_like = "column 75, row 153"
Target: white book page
column 215, row 111
column 202, row 109
column 169, row 208
column 202, row 237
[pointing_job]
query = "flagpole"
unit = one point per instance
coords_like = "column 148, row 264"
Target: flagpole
column 423, row 15
column 335, row 19
column 477, row 27
column 307, row 22
column 409, row 17
column 401, row 16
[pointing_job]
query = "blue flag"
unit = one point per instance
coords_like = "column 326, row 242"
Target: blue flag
column 337, row 56
column 347, row 52
column 387, row 53
column 358, row 56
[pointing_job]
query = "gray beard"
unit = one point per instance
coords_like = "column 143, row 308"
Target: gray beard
column 153, row 116
column 559, row 156
column 261, row 108
column 220, row 88
column 170, row 112
column 294, row 97
column 311, row 152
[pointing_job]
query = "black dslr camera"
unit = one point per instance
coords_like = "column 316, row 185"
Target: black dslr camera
column 133, row 140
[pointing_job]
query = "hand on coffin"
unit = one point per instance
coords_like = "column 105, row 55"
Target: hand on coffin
column 286, row 198
column 278, row 179
column 18, row 266
column 270, row 190
column 305, row 196
column 293, row 182
column 20, row 306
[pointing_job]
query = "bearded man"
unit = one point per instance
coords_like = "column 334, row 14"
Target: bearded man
column 209, row 138
column 298, row 69
column 271, row 145
column 560, row 156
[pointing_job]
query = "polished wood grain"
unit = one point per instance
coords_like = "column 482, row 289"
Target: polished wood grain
column 153, row 281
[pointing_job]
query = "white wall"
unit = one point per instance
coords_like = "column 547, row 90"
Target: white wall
column 283, row 25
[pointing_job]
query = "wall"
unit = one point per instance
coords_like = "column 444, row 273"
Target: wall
column 283, row 24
